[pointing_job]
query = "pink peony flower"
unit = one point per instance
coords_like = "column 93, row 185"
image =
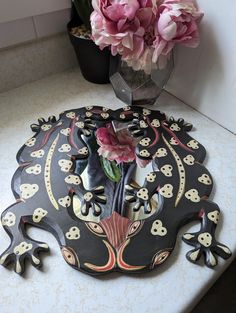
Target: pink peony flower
column 110, row 22
column 115, row 147
column 119, row 147
column 125, row 26
column 144, row 32
column 177, row 22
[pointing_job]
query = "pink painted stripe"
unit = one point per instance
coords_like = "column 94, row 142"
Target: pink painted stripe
column 116, row 228
column 46, row 137
column 176, row 138
column 71, row 135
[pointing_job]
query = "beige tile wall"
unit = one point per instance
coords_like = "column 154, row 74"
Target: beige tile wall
column 32, row 61
column 32, row 28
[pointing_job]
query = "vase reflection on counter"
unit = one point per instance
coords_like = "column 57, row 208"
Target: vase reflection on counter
column 136, row 87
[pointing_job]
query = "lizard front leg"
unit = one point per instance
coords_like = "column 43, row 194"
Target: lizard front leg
column 142, row 195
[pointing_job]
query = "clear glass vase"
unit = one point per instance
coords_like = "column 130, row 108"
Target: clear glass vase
column 136, row 87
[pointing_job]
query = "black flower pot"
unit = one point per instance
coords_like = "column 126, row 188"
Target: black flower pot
column 94, row 63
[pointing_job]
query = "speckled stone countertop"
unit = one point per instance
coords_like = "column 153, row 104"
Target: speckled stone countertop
column 177, row 285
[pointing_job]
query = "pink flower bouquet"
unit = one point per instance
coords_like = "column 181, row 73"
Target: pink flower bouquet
column 143, row 32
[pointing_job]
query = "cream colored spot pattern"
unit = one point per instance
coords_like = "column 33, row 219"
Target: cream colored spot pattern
column 205, row 179
column 193, row 144
column 28, row 190
column 18, row 267
column 80, row 124
column 126, row 108
column 9, row 219
column 65, row 148
column 143, row 124
column 205, row 239
column 158, row 229
column 194, row 255
column 73, row 233
column 143, row 194
column 22, row 248
column 188, row 236
column 181, row 171
column 83, row 151
column 212, row 259
column 105, row 109
column 104, row 115
column 175, row 127
column 88, row 114
column 65, row 202
column 88, row 196
column 146, row 112
column 189, row 159
column 155, row 123
column 151, row 177
column 65, row 165
column 161, row 152
column 37, row 154
column 47, row 173
column 70, row 115
column 3, row 258
column 102, row 197
column 35, row 260
column 214, row 216
column 144, row 153
column 167, row 191
column 192, row 195
column 225, row 249
column 128, row 187
column 35, row 170
column 167, row 170
column 122, row 115
column 73, row 180
column 145, row 142
column 39, row 214
column 65, row 131
column 30, row 142
column 46, row 127
column 173, row 141
column 129, row 197
column 89, row 108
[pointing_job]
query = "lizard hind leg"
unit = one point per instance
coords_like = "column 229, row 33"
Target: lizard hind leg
column 22, row 247
column 204, row 241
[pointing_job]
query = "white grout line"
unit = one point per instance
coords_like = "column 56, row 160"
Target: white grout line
column 35, row 28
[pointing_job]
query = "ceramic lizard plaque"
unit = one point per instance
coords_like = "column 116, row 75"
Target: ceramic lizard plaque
column 76, row 179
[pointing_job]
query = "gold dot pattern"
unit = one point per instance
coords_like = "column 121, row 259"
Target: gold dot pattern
column 47, row 173
column 181, row 170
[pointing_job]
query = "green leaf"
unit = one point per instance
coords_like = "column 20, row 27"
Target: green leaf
column 111, row 169
column 84, row 9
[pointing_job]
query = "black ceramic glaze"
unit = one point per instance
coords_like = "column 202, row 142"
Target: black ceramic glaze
column 111, row 226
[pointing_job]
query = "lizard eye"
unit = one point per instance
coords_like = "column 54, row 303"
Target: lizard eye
column 160, row 257
column 95, row 228
column 70, row 256
column 134, row 228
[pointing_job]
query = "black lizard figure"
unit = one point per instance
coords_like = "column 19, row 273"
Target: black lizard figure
column 96, row 232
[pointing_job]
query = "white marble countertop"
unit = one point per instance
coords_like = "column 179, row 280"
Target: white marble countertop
column 177, row 285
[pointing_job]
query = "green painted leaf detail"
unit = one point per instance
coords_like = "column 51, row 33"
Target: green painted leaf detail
column 111, row 169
